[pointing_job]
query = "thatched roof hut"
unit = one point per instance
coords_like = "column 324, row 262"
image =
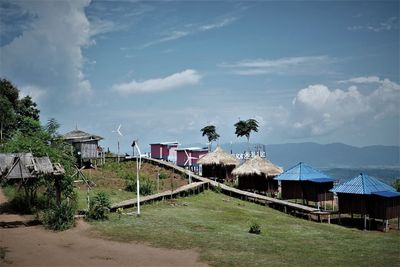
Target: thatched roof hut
column 258, row 174
column 218, row 164
column 26, row 166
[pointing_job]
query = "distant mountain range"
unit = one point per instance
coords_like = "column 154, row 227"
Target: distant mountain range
column 336, row 155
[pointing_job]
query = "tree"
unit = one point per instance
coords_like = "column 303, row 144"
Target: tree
column 14, row 111
column 211, row 134
column 244, row 128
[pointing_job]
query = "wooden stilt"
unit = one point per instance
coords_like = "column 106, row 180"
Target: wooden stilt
column 365, row 221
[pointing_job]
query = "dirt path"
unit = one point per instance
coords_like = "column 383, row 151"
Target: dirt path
column 35, row 246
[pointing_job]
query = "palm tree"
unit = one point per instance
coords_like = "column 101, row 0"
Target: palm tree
column 244, row 128
column 211, row 134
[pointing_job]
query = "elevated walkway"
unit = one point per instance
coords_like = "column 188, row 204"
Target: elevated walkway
column 286, row 206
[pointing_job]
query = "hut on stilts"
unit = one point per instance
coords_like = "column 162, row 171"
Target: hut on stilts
column 304, row 182
column 24, row 168
column 218, row 164
column 369, row 197
column 256, row 174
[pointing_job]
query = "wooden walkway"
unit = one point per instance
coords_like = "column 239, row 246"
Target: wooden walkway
column 284, row 205
column 195, row 187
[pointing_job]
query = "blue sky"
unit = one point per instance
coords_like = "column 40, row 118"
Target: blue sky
column 306, row 70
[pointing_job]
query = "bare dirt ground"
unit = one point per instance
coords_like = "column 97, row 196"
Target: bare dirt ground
column 36, row 246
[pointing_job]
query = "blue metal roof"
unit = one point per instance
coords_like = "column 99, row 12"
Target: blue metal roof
column 322, row 180
column 387, row 194
column 362, row 185
column 303, row 172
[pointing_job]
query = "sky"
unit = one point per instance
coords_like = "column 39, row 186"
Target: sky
column 307, row 71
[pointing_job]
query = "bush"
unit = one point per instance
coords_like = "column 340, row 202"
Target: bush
column 59, row 217
column 163, row 176
column 255, row 228
column 99, row 207
column 146, row 186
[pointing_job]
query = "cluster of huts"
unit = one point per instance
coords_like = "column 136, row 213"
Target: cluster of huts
column 363, row 195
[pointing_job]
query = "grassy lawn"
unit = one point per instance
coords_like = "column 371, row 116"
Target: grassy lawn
column 217, row 226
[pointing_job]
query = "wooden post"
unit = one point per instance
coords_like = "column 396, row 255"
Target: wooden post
column 365, row 221
column 386, row 225
column 329, row 218
column 398, row 223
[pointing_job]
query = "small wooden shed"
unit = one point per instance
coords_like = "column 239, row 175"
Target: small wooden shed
column 368, row 196
column 218, row 164
column 86, row 145
column 304, row 182
column 257, row 174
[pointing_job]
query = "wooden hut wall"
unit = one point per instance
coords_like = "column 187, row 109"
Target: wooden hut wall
column 353, row 203
column 88, row 149
column 220, row 171
column 383, row 207
column 291, row 190
column 258, row 182
column 316, row 192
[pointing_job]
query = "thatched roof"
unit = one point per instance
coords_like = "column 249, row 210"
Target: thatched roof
column 257, row 166
column 25, row 165
column 81, row 136
column 218, row 157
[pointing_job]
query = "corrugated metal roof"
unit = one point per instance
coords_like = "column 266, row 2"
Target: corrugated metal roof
column 302, row 172
column 387, row 194
column 166, row 143
column 362, row 185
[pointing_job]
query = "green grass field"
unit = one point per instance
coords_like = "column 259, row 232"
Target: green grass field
column 217, row 226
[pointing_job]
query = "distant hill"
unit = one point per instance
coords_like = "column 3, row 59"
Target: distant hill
column 336, row 155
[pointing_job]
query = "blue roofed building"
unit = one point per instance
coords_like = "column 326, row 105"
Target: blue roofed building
column 368, row 196
column 304, row 182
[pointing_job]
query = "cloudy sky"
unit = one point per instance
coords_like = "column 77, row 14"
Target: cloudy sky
column 307, row 71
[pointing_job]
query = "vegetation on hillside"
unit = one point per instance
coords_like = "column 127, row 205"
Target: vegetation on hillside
column 218, row 227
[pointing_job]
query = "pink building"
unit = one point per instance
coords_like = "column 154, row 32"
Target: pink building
column 194, row 152
column 164, row 151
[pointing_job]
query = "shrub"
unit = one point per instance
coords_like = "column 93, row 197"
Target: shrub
column 163, row 176
column 146, row 186
column 59, row 217
column 99, row 207
column 255, row 228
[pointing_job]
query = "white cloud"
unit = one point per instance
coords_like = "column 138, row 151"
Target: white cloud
column 286, row 65
column 190, row 29
column 367, row 79
column 318, row 110
column 48, row 54
column 387, row 25
column 176, row 80
column 33, row 91
column 171, row 36
column 218, row 24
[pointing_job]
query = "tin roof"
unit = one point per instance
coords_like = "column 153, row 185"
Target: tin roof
column 81, row 136
column 192, row 149
column 387, row 194
column 362, row 185
column 303, row 172
column 166, row 143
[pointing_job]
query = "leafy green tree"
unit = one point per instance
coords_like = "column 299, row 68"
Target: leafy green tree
column 244, row 128
column 14, row 111
column 211, row 134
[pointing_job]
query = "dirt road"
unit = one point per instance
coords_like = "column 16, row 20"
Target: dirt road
column 35, row 246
